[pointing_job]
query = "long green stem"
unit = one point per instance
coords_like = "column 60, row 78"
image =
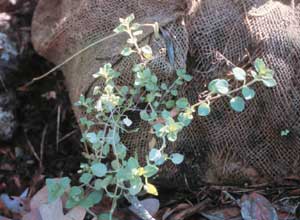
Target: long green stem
column 71, row 58
column 221, row 95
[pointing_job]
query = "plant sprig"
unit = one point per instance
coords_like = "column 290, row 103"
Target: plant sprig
column 110, row 171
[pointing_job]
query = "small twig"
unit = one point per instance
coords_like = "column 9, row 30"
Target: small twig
column 43, row 144
column 3, row 84
column 67, row 136
column 32, row 149
column 58, row 126
column 191, row 211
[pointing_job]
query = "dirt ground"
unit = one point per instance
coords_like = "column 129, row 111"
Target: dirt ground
column 47, row 136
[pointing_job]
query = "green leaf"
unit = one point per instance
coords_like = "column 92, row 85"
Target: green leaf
column 132, row 163
column 253, row 74
column 115, row 164
column 164, row 86
column 260, row 65
column 130, row 18
column 136, row 185
column 127, row 51
column 113, row 137
column 147, row 52
column 124, row 90
column 269, row 82
column 161, row 160
column 158, row 129
column 135, row 26
column 239, row 74
column 103, row 183
column 203, row 109
column 56, row 188
column 263, row 71
column 144, row 115
column 154, row 79
column 138, row 68
column 150, row 170
column 75, row 191
column 170, row 104
column 187, row 77
column 220, row 86
column 248, row 93
column 99, row 169
column 237, row 104
column 184, row 118
column 156, row 104
column 75, row 195
column 106, row 149
column 180, row 72
column 154, row 154
column 179, row 81
column 153, row 116
column 284, row 132
column 165, row 114
column 92, row 199
column 86, row 122
column 172, row 136
column 177, row 158
column 85, row 178
column 182, row 103
column 106, row 216
column 92, row 137
column 150, row 97
column 121, row 151
column 124, row 174
column 98, row 184
column 174, row 92
column 121, row 28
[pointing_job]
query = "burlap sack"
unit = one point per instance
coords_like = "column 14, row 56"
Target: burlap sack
column 226, row 147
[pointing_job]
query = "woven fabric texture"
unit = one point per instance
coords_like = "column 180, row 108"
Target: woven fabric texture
column 226, row 147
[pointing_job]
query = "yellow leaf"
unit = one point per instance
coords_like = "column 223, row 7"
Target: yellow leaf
column 151, row 189
column 141, row 171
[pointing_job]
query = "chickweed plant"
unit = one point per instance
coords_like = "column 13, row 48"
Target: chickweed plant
column 110, row 171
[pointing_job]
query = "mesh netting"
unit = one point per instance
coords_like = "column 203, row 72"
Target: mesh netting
column 226, row 146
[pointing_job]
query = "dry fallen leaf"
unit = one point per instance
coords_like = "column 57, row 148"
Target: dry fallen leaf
column 15, row 204
column 54, row 211
column 41, row 197
column 255, row 206
column 151, row 205
column 42, row 210
column 223, row 214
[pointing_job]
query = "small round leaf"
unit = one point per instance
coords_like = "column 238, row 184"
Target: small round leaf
column 269, row 82
column 239, row 74
column 154, row 154
column 237, row 104
column 85, row 178
column 182, row 103
column 126, row 51
column 220, row 86
column 204, row 109
column 248, row 93
column 177, row 158
column 99, row 169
